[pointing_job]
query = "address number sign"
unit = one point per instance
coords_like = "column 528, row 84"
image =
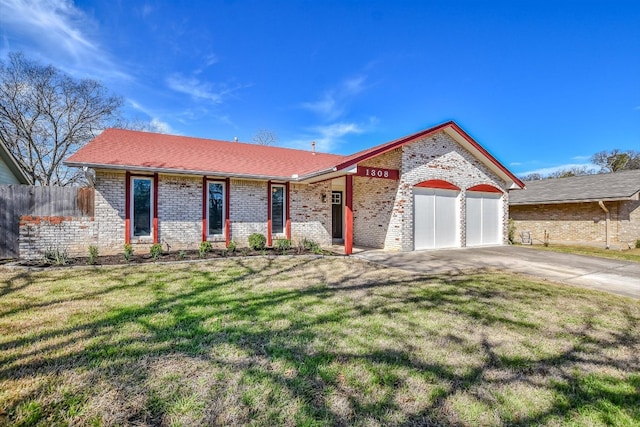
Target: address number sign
column 377, row 172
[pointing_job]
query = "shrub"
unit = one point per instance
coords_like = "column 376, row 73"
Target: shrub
column 56, row 256
column 182, row 254
column 283, row 244
column 93, row 255
column 205, row 247
column 310, row 245
column 128, row 252
column 257, row 241
column 155, row 251
column 512, row 231
column 638, row 243
column 232, row 246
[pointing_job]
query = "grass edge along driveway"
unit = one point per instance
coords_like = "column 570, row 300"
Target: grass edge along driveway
column 303, row 341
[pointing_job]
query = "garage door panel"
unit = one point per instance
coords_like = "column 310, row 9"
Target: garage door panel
column 446, row 220
column 484, row 219
column 435, row 218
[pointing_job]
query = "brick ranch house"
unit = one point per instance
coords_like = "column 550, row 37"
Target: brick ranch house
column 601, row 209
column 437, row 188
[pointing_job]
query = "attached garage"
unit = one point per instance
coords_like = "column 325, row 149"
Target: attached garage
column 484, row 219
column 436, row 216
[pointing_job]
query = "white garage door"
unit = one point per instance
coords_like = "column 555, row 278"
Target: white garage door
column 435, row 218
column 484, row 218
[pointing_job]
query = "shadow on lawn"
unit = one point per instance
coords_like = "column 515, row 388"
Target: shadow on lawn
column 282, row 325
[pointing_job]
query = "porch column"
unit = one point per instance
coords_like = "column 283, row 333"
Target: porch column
column 269, row 238
column 204, row 208
column 227, row 211
column 127, row 207
column 348, row 216
column 287, row 211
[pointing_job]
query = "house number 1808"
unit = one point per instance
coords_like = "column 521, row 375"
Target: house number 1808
column 377, row 173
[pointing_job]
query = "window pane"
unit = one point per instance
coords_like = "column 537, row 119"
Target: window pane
column 141, row 207
column 277, row 210
column 216, row 199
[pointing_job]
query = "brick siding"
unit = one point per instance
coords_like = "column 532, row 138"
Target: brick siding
column 40, row 234
column 579, row 222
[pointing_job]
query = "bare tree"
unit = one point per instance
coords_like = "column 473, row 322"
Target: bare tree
column 265, row 137
column 616, row 160
column 46, row 115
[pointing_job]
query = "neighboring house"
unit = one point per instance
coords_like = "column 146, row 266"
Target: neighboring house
column 11, row 171
column 437, row 188
column 602, row 209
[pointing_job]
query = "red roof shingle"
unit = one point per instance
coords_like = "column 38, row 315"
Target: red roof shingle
column 135, row 150
column 126, row 149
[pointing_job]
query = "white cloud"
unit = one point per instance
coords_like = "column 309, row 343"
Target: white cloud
column 159, row 126
column 515, row 164
column 332, row 103
column 56, row 31
column 327, row 137
column 552, row 169
column 198, row 89
column 579, row 158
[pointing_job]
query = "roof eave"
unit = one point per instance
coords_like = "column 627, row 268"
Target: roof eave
column 181, row 171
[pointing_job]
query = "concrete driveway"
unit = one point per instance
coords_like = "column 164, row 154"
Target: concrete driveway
column 615, row 276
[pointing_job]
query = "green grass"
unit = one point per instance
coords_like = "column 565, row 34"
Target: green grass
column 311, row 342
column 628, row 255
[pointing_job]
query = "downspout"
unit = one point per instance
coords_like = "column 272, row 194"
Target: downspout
column 607, row 216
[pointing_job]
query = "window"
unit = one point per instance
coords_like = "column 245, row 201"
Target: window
column 141, row 206
column 277, row 209
column 215, row 211
column 336, row 198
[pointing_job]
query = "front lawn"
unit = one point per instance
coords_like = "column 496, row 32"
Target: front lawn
column 311, row 341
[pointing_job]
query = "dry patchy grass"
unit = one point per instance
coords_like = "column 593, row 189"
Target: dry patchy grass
column 307, row 341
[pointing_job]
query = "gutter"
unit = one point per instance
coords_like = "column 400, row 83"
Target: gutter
column 607, row 216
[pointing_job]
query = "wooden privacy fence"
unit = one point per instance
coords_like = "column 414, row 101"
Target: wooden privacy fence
column 20, row 200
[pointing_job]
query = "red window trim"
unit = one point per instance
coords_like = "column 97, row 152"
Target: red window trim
column 485, row 188
column 127, row 204
column 437, row 183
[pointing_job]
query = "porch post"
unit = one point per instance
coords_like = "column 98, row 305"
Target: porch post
column 227, row 211
column 348, row 216
column 127, row 207
column 287, row 212
column 269, row 239
column 204, row 208
column 155, row 207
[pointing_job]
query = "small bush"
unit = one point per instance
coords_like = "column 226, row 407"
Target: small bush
column 128, row 252
column 512, row 231
column 93, row 255
column 232, row 246
column 283, row 245
column 56, row 256
column 182, row 254
column 257, row 241
column 311, row 245
column 204, row 249
column 155, row 251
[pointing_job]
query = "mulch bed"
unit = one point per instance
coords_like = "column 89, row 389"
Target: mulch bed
column 173, row 256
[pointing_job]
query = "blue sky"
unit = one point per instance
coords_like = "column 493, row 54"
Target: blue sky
column 541, row 84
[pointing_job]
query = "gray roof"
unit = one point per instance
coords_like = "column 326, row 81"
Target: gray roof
column 588, row 188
